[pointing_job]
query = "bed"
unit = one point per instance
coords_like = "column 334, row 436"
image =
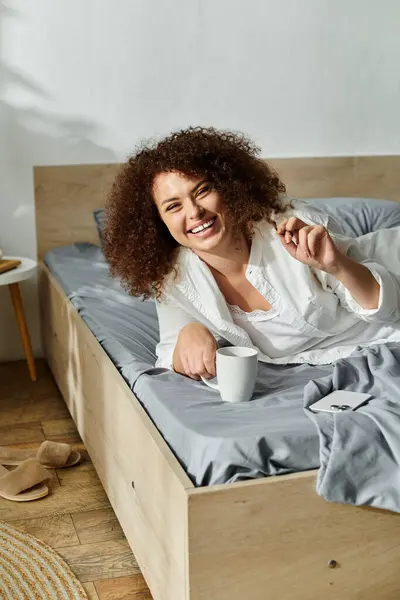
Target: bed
column 256, row 538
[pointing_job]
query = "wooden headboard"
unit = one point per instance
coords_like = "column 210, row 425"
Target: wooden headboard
column 65, row 196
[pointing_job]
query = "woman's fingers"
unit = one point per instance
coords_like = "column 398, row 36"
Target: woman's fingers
column 303, row 240
column 314, row 239
column 298, row 237
column 189, row 367
column 205, row 364
column 290, row 246
column 197, row 349
column 198, row 366
column 281, row 227
column 290, row 228
column 294, row 224
column 210, row 368
column 184, row 363
column 291, row 225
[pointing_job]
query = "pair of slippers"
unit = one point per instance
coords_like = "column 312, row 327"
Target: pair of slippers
column 28, row 481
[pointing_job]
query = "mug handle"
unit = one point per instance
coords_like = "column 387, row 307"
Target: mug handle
column 214, row 386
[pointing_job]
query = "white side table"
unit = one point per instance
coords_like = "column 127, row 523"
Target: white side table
column 12, row 278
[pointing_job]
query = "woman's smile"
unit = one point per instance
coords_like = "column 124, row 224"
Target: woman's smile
column 205, row 228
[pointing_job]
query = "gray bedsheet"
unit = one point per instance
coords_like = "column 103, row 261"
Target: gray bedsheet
column 214, row 441
column 273, row 434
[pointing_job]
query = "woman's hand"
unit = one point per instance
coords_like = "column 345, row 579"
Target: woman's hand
column 310, row 244
column 194, row 353
column 313, row 246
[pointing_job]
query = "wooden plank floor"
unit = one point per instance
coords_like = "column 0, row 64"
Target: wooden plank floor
column 76, row 518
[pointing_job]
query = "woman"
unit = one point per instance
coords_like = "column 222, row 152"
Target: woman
column 202, row 224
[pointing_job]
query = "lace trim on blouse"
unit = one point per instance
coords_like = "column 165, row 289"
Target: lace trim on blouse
column 255, row 315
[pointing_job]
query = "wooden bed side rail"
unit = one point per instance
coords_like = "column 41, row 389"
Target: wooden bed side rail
column 274, row 538
column 143, row 480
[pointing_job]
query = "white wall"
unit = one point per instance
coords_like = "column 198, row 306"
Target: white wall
column 84, row 81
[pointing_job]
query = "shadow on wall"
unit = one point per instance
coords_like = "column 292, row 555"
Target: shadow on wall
column 31, row 136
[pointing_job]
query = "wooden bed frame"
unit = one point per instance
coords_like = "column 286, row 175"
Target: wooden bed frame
column 268, row 538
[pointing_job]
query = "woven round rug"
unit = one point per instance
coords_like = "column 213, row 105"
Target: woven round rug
column 31, row 570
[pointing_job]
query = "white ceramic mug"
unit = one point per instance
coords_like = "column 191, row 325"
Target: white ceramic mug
column 236, row 373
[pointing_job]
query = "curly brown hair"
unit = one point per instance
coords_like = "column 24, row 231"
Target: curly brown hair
column 137, row 243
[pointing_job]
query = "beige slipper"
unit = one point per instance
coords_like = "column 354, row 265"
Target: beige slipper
column 24, row 483
column 52, row 455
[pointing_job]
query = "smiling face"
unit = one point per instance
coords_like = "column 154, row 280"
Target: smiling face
column 192, row 210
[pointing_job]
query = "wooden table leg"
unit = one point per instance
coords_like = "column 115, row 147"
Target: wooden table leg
column 23, row 328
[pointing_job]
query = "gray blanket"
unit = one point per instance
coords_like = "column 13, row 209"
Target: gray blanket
column 360, row 450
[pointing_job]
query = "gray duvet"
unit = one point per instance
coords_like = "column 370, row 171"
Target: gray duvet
column 360, row 450
column 358, row 453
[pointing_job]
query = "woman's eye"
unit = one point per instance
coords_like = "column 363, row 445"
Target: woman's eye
column 204, row 190
column 171, row 207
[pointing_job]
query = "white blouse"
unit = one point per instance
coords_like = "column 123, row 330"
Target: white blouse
column 313, row 319
column 265, row 328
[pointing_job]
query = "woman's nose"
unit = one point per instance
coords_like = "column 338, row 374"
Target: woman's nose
column 195, row 210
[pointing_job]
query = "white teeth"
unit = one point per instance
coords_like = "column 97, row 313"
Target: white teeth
column 201, row 227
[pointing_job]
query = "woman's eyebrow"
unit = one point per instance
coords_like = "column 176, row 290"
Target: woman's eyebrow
column 169, row 200
column 195, row 188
